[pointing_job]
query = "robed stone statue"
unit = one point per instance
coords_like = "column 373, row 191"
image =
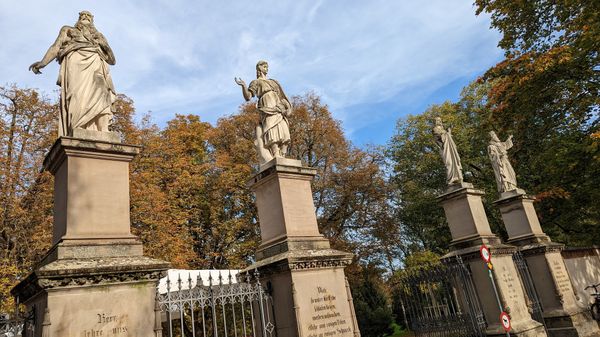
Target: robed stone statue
column 447, row 148
column 272, row 132
column 503, row 170
column 86, row 88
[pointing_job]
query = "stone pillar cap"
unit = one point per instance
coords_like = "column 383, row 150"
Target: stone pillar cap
column 56, row 153
column 517, row 193
column 281, row 165
column 457, row 189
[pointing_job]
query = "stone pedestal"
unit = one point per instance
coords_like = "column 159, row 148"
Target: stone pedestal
column 520, row 218
column 94, row 281
column 466, row 217
column 469, row 228
column 310, row 293
column 563, row 313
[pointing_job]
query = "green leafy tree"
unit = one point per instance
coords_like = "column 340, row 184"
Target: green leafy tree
column 418, row 174
column 547, row 93
column 373, row 312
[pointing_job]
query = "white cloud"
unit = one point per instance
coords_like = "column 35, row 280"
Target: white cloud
column 181, row 56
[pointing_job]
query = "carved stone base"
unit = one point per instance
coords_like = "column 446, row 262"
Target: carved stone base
column 111, row 137
column 81, row 249
column 93, row 297
column 509, row 287
column 291, row 244
column 310, row 293
column 563, row 313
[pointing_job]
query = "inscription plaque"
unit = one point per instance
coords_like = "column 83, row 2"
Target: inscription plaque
column 509, row 281
column 322, row 304
column 563, row 283
column 326, row 318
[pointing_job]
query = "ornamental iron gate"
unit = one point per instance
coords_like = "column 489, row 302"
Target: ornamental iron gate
column 227, row 305
column 20, row 326
column 440, row 301
column 10, row 327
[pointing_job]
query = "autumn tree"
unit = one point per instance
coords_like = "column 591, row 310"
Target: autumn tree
column 190, row 203
column 167, row 187
column 27, row 129
column 349, row 189
column 235, row 235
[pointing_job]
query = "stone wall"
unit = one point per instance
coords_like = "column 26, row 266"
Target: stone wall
column 583, row 265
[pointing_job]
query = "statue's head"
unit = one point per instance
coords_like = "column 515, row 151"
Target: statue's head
column 494, row 137
column 262, row 67
column 86, row 17
column 438, row 121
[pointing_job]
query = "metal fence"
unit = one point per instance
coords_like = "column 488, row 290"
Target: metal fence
column 10, row 328
column 19, row 326
column 440, row 301
column 226, row 305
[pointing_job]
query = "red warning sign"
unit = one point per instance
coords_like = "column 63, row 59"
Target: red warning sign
column 505, row 320
column 485, row 253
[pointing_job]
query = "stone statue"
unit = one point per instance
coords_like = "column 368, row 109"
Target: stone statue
column 272, row 132
column 86, row 88
column 443, row 139
column 503, row 170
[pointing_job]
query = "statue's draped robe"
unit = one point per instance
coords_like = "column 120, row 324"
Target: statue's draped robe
column 449, row 155
column 503, row 170
column 87, row 91
column 273, row 105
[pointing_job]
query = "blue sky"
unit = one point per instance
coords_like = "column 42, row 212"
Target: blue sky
column 372, row 62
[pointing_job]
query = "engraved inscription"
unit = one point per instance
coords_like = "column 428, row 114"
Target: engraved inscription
column 326, row 318
column 106, row 325
column 103, row 318
column 563, row 283
column 92, row 333
column 510, row 285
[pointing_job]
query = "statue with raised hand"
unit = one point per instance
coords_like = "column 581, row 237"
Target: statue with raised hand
column 86, row 89
column 272, row 132
column 506, row 178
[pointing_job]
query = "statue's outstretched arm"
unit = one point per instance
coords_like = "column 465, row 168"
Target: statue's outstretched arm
column 52, row 52
column 247, row 94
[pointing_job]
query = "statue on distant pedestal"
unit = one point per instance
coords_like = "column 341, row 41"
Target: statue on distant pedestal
column 503, row 170
column 443, row 139
column 272, row 132
column 86, row 88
